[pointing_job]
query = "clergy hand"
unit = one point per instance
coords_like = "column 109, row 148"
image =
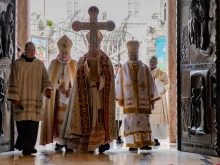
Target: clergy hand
column 120, row 103
column 48, row 92
column 68, row 93
column 62, row 90
column 16, row 102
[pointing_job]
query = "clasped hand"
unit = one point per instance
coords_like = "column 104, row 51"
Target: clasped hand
column 64, row 91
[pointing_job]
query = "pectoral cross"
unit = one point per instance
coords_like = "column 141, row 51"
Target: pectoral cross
column 93, row 26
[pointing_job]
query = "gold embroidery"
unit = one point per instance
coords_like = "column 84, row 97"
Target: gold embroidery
column 83, row 102
column 128, row 85
column 105, row 68
column 100, row 116
column 143, row 86
column 53, row 78
column 139, row 110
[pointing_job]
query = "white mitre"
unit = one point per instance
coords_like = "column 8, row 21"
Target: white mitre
column 64, row 44
column 133, row 46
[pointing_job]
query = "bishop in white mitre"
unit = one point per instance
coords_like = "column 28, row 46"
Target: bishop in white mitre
column 62, row 72
column 136, row 92
column 160, row 116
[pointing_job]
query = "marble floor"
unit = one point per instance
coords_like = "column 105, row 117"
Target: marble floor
column 166, row 154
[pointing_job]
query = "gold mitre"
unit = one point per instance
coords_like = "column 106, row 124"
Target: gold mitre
column 64, row 44
column 133, row 46
column 100, row 37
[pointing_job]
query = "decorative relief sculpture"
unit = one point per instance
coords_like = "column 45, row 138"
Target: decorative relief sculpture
column 185, row 113
column 213, row 90
column 7, row 23
column 199, row 33
column 199, row 108
column 2, row 96
column 185, row 44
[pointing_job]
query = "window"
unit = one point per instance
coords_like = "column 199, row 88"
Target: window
column 69, row 5
column 136, row 6
column 76, row 5
column 104, row 16
column 133, row 8
column 136, row 14
column 130, row 6
column 129, row 13
column 69, row 12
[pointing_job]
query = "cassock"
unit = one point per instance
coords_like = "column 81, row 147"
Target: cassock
column 91, row 119
column 136, row 90
column 55, row 108
column 28, row 82
column 160, row 116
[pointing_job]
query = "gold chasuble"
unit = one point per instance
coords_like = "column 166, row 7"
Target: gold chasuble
column 55, row 110
column 136, row 91
column 91, row 120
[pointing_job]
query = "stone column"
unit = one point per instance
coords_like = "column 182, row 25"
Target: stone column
column 172, row 68
column 23, row 23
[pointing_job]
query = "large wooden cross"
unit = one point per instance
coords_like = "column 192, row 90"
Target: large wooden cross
column 93, row 26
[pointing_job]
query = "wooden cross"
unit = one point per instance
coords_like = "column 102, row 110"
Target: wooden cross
column 93, row 26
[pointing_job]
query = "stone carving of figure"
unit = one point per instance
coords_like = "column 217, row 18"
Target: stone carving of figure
column 199, row 25
column 7, row 18
column 195, row 25
column 202, row 129
column 2, row 96
column 196, row 108
column 204, row 16
column 1, row 25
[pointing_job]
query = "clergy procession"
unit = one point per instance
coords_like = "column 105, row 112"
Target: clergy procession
column 87, row 104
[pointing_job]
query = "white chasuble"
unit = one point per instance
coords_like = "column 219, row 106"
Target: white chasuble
column 160, row 114
column 55, row 108
column 136, row 90
column 91, row 121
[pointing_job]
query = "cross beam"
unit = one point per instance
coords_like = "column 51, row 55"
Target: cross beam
column 93, row 26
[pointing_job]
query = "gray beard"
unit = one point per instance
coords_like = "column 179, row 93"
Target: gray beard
column 133, row 62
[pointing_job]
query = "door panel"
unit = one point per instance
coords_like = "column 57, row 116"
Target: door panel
column 196, row 22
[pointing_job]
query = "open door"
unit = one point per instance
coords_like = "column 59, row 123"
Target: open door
column 198, row 61
column 7, row 37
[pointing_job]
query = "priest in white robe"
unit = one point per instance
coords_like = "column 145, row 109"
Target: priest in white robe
column 62, row 72
column 160, row 115
column 91, row 122
column 136, row 92
column 28, row 82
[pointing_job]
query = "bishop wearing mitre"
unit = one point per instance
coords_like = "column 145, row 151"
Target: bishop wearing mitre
column 91, row 121
column 62, row 72
column 136, row 93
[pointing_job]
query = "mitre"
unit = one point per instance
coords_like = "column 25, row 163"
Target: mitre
column 133, row 46
column 64, row 44
column 100, row 37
